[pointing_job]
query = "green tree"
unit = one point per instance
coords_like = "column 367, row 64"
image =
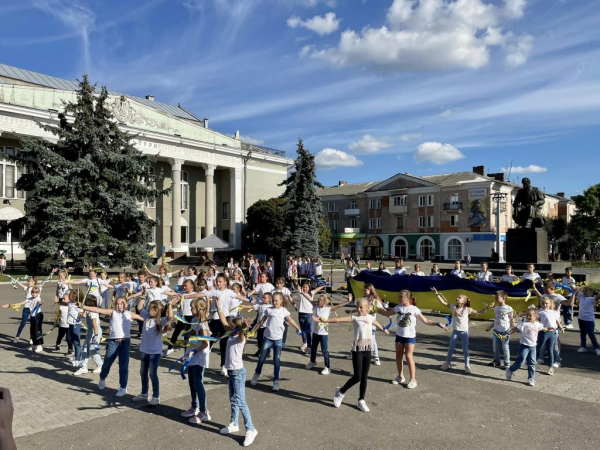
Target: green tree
column 84, row 190
column 264, row 226
column 303, row 207
column 556, row 228
column 324, row 236
column 584, row 227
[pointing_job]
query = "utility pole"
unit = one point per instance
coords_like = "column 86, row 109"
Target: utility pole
column 498, row 197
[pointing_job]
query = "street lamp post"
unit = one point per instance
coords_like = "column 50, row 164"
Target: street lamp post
column 498, row 197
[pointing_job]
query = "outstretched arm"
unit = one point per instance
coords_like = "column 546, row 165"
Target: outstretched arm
column 380, row 327
column 426, row 321
column 104, row 312
column 440, row 297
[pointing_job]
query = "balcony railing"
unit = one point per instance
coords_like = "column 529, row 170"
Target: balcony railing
column 398, row 209
column 351, row 212
column 454, row 206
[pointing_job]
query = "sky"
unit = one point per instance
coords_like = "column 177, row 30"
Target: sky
column 373, row 87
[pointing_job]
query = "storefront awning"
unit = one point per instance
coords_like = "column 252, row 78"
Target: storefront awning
column 9, row 213
column 349, row 236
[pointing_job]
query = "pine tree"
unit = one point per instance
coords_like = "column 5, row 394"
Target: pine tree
column 84, row 189
column 302, row 210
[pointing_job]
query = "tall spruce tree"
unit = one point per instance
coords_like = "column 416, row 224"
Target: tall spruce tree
column 83, row 190
column 302, row 210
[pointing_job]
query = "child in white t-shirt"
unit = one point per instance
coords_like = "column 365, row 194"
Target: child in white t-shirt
column 260, row 309
column 457, row 271
column 509, row 277
column 305, row 310
column 261, row 288
column 504, row 321
column 551, row 321
column 567, row 310
column 460, row 326
column 63, row 325
column 418, row 271
column 529, row 329
column 93, row 337
column 484, row 275
column 407, row 314
column 320, row 333
column 587, row 319
column 287, row 295
column 361, row 351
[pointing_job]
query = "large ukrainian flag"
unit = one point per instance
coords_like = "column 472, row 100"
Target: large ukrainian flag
column 480, row 294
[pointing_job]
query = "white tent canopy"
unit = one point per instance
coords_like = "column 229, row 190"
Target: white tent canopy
column 211, row 241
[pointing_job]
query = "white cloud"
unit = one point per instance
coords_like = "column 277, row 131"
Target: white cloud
column 322, row 25
column 369, row 144
column 532, row 168
column 447, row 112
column 305, row 50
column 410, row 136
column 518, row 51
column 330, row 158
column 249, row 140
column 432, row 35
column 437, row 153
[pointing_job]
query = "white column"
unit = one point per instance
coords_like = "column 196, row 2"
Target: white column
column 235, row 207
column 176, row 203
column 209, row 213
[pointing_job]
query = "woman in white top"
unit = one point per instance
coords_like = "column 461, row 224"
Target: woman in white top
column 237, row 377
column 361, row 351
column 382, row 268
column 435, row 271
column 457, row 271
column 417, row 271
column 484, row 275
column 406, row 334
column 509, row 277
column 399, row 269
column 531, row 275
column 118, row 343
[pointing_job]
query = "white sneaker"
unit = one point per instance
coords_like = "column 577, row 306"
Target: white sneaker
column 38, row 349
column 531, row 382
column 276, row 385
column 81, row 371
column 581, row 350
column 30, row 342
column 122, row 392
column 412, row 384
column 445, row 366
column 508, row 374
column 325, row 371
column 169, row 351
column 556, row 365
column 205, row 416
column 349, row 356
column 155, row 401
column 363, row 406
column 101, row 384
column 337, row 397
column 223, row 371
column 189, row 413
column 97, row 369
column 15, row 340
column 310, row 365
column 551, row 371
column 303, row 348
column 569, row 327
column 231, row 428
column 468, row 370
column 598, row 351
column 140, row 398
column 398, row 380
column 377, row 362
column 250, row 436
column 254, row 379
column 30, row 347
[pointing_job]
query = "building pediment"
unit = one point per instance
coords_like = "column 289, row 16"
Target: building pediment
column 401, row 181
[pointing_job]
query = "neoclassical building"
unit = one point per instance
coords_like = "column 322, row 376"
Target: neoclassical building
column 215, row 177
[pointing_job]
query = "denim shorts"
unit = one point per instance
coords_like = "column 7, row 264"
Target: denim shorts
column 405, row 340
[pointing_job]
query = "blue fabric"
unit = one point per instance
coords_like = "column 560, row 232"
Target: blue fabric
column 237, row 397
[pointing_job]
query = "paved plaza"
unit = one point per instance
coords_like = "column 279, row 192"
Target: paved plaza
column 56, row 410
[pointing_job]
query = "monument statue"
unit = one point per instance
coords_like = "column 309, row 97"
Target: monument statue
column 527, row 206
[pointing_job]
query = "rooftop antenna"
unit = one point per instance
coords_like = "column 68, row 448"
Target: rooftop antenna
column 509, row 171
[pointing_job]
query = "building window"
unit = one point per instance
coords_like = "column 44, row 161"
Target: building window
column 184, row 234
column 375, row 224
column 226, row 210
column 421, row 221
column 333, row 224
column 185, row 190
column 9, row 174
column 151, row 203
column 330, row 207
column 375, row 203
column 399, row 222
column 430, row 200
column 400, row 249
column 336, row 208
column 353, row 204
column 429, row 221
column 453, row 221
column 353, row 223
column 421, row 200
column 454, row 249
column 454, row 199
column 153, row 237
column 400, row 200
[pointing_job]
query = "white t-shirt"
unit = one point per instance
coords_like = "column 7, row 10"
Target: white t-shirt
column 406, row 320
column 260, row 312
column 548, row 318
column 458, row 273
column 275, row 323
column 33, row 306
column 435, row 274
column 320, row 328
column 530, row 276
column 120, row 325
column 151, row 343
column 94, row 285
column 103, row 283
column 557, row 300
column 200, row 358
column 235, row 350
column 64, row 313
column 62, row 289
column 284, row 291
column 73, row 312
column 486, row 276
column 508, row 278
column 227, row 301
column 186, row 306
column 586, row 307
column 363, row 333
column 502, row 316
column 29, row 302
column 418, row 274
column 157, row 293
column 89, row 320
column 261, row 289
column 460, row 317
column 400, row 271
column 318, row 269
column 568, row 281
column 351, row 272
column 305, row 305
column 165, row 278
column 190, row 277
column 529, row 332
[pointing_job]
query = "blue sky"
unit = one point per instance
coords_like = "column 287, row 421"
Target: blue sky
column 374, row 87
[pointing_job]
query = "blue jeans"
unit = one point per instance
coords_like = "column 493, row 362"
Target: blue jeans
column 464, row 339
column 586, row 328
column 529, row 354
column 150, row 365
column 116, row 348
column 89, row 348
column 567, row 313
column 557, row 356
column 266, row 346
column 197, row 391
column 497, row 343
column 305, row 323
column 237, row 397
column 74, row 334
column 323, row 340
column 24, row 319
column 549, row 341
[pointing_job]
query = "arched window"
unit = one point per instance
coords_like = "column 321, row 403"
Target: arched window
column 426, row 249
column 400, row 249
column 185, row 190
column 455, row 251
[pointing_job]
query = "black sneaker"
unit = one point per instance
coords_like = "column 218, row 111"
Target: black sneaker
column 57, row 348
column 494, row 364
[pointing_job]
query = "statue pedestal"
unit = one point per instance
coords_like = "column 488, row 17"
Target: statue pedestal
column 527, row 245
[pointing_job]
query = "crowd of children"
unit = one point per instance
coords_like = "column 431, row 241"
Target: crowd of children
column 202, row 308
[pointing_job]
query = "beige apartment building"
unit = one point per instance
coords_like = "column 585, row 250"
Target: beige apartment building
column 215, row 177
column 438, row 217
